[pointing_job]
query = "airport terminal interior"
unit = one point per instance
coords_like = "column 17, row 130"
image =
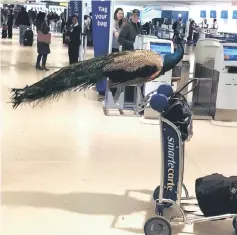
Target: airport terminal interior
column 89, row 162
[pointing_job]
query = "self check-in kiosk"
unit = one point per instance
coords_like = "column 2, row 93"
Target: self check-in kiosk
column 162, row 47
column 203, row 69
column 223, row 102
column 216, row 69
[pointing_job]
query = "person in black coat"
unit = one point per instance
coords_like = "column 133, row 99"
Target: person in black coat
column 42, row 48
column 129, row 32
column 74, row 40
column 10, row 23
column 23, row 21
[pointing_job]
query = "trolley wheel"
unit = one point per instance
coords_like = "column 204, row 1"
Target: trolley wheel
column 235, row 224
column 157, row 226
column 156, row 197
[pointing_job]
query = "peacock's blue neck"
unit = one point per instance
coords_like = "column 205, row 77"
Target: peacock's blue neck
column 171, row 60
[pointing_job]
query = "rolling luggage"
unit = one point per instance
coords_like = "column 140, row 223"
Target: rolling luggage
column 217, row 195
column 4, row 31
column 28, row 38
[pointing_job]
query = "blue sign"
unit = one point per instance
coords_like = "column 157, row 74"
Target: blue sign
column 224, row 14
column 75, row 8
column 212, row 14
column 203, row 14
column 101, row 32
column 171, row 161
column 234, row 15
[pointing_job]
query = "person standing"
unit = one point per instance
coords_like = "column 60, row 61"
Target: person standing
column 191, row 30
column 129, row 32
column 42, row 44
column 127, row 37
column 4, row 20
column 117, row 26
column 23, row 22
column 88, row 29
column 205, row 24
column 118, row 23
column 177, row 27
column 63, row 18
column 10, row 23
column 74, row 40
column 215, row 25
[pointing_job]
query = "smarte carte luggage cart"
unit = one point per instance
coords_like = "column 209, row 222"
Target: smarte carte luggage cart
column 170, row 190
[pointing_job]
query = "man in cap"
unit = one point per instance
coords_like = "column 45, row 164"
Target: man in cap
column 129, row 31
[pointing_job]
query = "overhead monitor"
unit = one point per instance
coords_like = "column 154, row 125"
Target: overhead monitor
column 234, row 15
column 230, row 53
column 213, row 14
column 203, row 14
column 161, row 48
column 224, row 14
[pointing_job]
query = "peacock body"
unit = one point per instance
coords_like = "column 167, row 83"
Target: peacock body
column 128, row 67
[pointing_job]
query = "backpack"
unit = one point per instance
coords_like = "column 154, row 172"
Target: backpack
column 180, row 113
column 217, row 194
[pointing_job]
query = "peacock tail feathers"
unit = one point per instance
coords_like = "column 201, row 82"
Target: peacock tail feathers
column 122, row 68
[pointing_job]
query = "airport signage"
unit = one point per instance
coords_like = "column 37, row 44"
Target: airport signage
column 101, row 12
column 75, row 8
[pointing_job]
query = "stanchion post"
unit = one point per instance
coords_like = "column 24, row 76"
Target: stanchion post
column 82, row 49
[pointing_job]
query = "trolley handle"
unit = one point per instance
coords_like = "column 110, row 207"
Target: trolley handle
column 191, row 81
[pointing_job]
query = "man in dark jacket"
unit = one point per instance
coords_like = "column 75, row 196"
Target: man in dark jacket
column 129, row 32
column 23, row 21
column 10, row 23
column 74, row 38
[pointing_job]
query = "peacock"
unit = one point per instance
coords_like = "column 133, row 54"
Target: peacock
column 122, row 68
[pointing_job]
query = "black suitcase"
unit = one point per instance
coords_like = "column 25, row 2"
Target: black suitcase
column 217, row 195
column 4, row 31
column 28, row 38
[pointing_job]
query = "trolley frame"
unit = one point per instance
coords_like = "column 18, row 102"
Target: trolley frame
column 178, row 203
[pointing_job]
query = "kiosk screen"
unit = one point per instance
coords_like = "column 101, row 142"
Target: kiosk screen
column 160, row 48
column 230, row 53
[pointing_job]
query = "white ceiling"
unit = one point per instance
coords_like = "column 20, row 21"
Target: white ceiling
column 174, row 3
column 182, row 3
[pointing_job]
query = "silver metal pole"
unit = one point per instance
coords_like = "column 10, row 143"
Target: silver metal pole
column 162, row 161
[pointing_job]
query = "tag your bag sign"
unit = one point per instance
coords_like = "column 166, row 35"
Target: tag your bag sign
column 101, row 13
column 101, row 26
column 102, row 17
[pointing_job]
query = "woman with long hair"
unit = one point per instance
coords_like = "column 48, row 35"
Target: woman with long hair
column 119, row 21
column 42, row 45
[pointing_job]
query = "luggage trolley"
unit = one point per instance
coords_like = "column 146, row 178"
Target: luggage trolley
column 171, row 185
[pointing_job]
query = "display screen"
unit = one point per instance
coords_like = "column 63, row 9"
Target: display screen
column 224, row 14
column 161, row 48
column 203, row 14
column 230, row 53
column 213, row 14
column 234, row 15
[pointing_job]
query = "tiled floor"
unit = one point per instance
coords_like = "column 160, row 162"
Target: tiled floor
column 69, row 170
